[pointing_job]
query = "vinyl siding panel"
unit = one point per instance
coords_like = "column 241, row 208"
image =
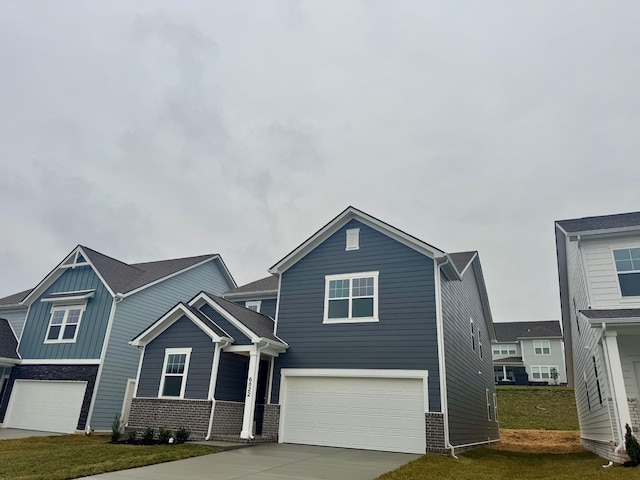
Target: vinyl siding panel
column 467, row 375
column 601, row 276
column 182, row 334
column 630, row 358
column 134, row 314
column 595, row 422
column 405, row 336
column 16, row 318
column 93, row 323
column 555, row 358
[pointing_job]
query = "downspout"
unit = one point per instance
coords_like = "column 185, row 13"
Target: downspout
column 443, row 380
column 212, row 382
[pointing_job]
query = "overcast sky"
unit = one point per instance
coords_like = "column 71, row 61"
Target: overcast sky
column 153, row 130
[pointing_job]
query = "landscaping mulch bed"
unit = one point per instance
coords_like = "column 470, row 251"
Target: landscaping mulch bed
column 539, row 441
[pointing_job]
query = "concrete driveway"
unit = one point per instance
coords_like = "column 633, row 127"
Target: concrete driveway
column 7, row 433
column 272, row 462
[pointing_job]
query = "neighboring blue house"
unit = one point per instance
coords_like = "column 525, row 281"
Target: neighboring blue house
column 379, row 341
column 75, row 367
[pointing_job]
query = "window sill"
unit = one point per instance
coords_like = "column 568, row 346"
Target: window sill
column 60, row 341
column 350, row 320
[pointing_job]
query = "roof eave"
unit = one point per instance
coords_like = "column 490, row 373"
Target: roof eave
column 264, row 294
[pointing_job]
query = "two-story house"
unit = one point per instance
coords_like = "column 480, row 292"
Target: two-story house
column 362, row 337
column 536, row 347
column 73, row 367
column 599, row 276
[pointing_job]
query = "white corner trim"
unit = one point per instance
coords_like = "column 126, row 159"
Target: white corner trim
column 275, row 321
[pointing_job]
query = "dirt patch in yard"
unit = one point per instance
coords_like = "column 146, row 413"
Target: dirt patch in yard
column 539, row 441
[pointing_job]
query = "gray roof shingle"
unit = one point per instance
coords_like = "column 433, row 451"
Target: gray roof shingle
column 15, row 298
column 267, row 284
column 462, row 259
column 8, row 341
column 602, row 222
column 260, row 324
column 511, row 331
column 207, row 321
column 617, row 313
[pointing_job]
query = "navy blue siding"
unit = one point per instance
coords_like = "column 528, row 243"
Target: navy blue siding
column 93, row 325
column 182, row 334
column 238, row 337
column 232, row 377
column 468, row 375
column 405, row 336
column 268, row 307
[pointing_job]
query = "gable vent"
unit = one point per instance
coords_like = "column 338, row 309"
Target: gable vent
column 353, row 239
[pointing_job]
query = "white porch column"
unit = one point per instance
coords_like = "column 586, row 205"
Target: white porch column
column 612, row 357
column 250, row 394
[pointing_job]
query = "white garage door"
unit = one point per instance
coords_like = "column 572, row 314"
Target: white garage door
column 46, row 406
column 368, row 413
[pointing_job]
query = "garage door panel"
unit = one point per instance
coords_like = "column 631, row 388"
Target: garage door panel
column 368, row 413
column 46, row 405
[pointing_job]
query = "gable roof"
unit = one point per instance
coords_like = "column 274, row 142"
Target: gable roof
column 603, row 222
column 352, row 213
column 512, row 331
column 15, row 299
column 8, row 341
column 263, row 287
column 126, row 279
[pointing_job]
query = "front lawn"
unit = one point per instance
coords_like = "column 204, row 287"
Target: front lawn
column 73, row 456
column 486, row 464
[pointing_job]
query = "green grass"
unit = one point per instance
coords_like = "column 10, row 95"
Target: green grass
column 486, row 464
column 527, row 408
column 73, row 456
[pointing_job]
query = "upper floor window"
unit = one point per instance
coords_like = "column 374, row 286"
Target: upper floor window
column 351, row 298
column 254, row 305
column 628, row 268
column 541, row 347
column 504, row 350
column 174, row 372
column 64, row 324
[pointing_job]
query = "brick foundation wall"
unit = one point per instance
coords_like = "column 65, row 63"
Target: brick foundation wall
column 434, row 423
column 634, row 411
column 271, row 421
column 172, row 414
column 604, row 450
column 85, row 373
column 227, row 418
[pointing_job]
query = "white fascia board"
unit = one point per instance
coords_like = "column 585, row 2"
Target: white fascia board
column 202, row 296
column 59, row 270
column 169, row 319
column 603, row 231
column 155, row 282
column 342, row 219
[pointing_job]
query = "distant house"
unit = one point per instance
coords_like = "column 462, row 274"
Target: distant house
column 362, row 337
column 535, row 346
column 599, row 275
column 65, row 362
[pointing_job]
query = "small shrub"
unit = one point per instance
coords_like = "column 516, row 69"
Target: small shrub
column 633, row 448
column 182, row 435
column 147, row 435
column 132, row 436
column 115, row 429
column 164, row 435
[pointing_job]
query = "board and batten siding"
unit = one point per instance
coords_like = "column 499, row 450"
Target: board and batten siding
column 132, row 316
column 16, row 318
column 405, row 336
column 601, row 274
column 93, row 324
column 468, row 376
column 595, row 422
column 182, row 334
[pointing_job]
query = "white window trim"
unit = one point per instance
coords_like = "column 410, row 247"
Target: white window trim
column 615, row 266
column 253, row 303
column 353, row 239
column 473, row 334
column 495, row 407
column 541, row 345
column 540, row 367
column 174, row 351
column 488, row 404
column 66, row 309
column 508, row 349
column 350, row 319
column 480, row 343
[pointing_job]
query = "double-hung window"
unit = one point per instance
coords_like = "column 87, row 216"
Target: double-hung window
column 174, row 372
column 541, row 347
column 504, row 349
column 351, row 298
column 542, row 372
column 628, row 269
column 64, row 323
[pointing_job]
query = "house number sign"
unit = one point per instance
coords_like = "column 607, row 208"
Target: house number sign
column 249, row 385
